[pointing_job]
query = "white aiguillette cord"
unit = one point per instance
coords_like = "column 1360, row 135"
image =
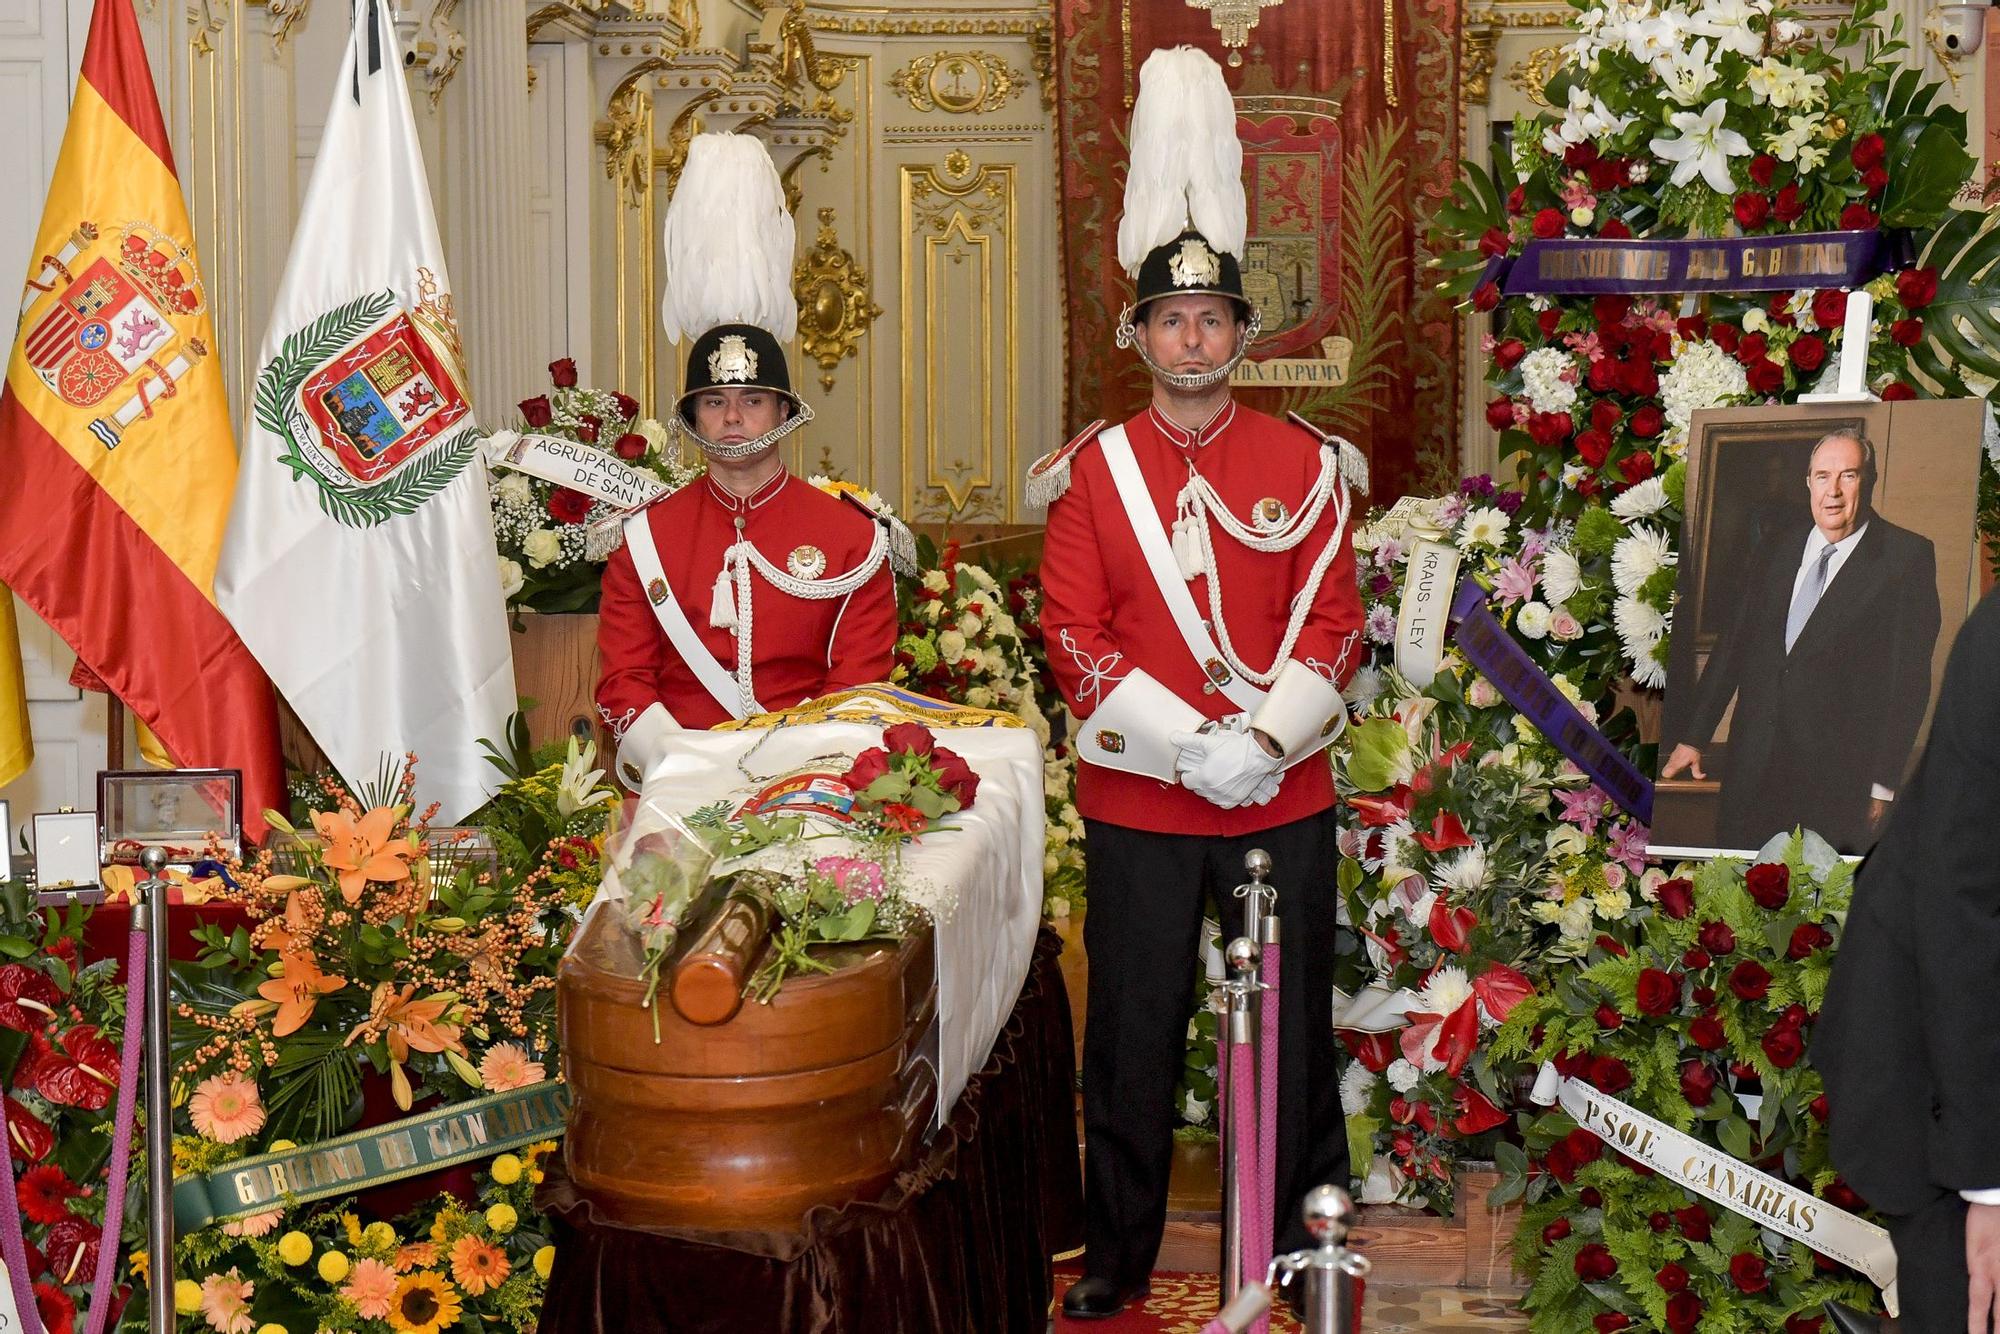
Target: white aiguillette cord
column 731, row 608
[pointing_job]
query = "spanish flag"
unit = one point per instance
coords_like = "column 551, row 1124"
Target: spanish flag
column 115, row 447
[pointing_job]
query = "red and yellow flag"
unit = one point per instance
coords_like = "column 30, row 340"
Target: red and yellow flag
column 115, row 444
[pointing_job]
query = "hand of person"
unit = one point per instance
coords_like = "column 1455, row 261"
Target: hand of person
column 1227, row 767
column 1982, row 1262
column 1685, row 757
column 1878, row 813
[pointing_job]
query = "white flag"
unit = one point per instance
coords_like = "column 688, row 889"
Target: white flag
column 359, row 565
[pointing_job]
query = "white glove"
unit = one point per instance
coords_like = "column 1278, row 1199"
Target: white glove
column 1227, row 766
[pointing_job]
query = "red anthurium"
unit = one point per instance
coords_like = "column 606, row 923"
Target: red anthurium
column 1451, row 927
column 1500, row 989
column 18, row 984
column 1375, row 1051
column 1378, row 812
column 28, row 1138
column 1445, row 832
column 1476, row 1114
column 1391, row 943
column 83, row 1073
column 71, row 1248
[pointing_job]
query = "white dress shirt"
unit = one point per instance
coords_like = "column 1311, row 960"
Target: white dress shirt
column 1815, row 544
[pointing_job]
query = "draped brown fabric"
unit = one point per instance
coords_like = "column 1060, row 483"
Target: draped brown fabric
column 1349, row 114
column 961, row 1241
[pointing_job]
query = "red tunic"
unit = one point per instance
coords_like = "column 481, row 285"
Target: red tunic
column 802, row 648
column 1104, row 616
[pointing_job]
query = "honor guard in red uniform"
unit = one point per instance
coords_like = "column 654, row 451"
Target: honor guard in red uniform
column 748, row 590
column 1201, row 618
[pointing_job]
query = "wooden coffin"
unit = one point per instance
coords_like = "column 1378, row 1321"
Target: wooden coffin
column 815, row 1098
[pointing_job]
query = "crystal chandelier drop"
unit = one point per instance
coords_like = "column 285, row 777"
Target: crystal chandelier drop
column 1234, row 19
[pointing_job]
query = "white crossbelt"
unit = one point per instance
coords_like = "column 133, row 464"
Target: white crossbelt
column 717, row 681
column 1159, row 556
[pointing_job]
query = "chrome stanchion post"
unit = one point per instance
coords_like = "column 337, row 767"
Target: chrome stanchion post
column 150, row 907
column 1260, row 901
column 1233, row 1000
column 1331, row 1270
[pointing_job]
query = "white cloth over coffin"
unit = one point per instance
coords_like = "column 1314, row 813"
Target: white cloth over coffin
column 992, row 857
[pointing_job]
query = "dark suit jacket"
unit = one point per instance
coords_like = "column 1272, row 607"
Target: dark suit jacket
column 1909, row 1040
column 1816, row 727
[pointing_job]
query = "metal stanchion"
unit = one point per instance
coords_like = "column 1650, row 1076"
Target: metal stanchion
column 150, row 899
column 1234, row 1065
column 1329, row 1274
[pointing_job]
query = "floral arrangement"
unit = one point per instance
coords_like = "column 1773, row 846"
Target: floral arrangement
column 547, row 563
column 1697, row 1013
column 450, row 1261
column 59, row 1070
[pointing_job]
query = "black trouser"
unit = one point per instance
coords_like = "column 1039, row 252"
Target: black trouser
column 1141, row 930
column 1932, row 1277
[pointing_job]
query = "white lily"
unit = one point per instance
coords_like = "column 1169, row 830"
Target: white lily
column 1687, row 74
column 578, row 788
column 1649, row 39
column 1704, row 147
column 1729, row 22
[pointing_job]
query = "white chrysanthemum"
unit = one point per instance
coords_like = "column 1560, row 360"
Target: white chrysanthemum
column 1648, row 670
column 1639, row 556
column 1702, row 376
column 1543, row 382
column 1639, row 626
column 1532, row 620
column 1364, row 687
column 1465, row 872
column 1486, row 527
column 1561, row 575
column 1448, row 989
column 1647, row 498
column 1402, row 1076
column 1356, row 1082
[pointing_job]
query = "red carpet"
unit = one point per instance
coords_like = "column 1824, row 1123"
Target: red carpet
column 1180, row 1304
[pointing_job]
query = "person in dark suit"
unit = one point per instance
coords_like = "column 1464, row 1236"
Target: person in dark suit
column 1829, row 660
column 1909, row 1039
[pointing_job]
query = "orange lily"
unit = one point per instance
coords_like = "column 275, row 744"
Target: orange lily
column 408, row 1023
column 361, row 851
column 296, row 990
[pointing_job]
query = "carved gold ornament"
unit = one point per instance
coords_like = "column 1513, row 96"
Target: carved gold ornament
column 1234, row 19
column 834, row 305
column 1532, row 73
column 960, row 83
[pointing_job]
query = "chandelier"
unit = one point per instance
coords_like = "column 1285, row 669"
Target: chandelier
column 1234, row 19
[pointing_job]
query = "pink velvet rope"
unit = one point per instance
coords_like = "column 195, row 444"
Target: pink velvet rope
column 1243, row 1127
column 13, row 1241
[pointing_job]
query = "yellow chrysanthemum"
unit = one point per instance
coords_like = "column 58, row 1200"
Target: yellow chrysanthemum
column 502, row 1218
column 295, row 1248
column 545, row 1260
column 333, row 1266
column 425, row 1303
column 272, row 1328
column 187, row 1296
column 379, row 1235
column 507, row 1169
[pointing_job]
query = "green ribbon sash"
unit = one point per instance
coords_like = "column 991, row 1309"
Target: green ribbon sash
column 362, row 1159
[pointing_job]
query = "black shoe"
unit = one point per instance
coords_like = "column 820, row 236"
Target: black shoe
column 1098, row 1298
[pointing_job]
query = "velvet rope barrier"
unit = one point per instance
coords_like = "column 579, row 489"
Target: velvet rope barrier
column 1257, row 1254
column 13, row 1241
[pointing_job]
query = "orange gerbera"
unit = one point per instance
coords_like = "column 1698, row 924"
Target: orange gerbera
column 363, row 851
column 415, row 1255
column 478, row 1265
column 297, row 989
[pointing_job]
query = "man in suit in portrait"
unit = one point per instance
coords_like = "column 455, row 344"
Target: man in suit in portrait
column 1909, row 1039
column 1828, row 658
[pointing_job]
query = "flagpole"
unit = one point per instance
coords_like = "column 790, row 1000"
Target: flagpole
column 114, row 732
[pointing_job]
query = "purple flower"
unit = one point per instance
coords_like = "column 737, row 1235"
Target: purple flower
column 1515, row 581
column 1534, row 541
column 1509, row 501
column 1388, row 553
column 1381, row 583
column 1480, row 486
column 1382, row 624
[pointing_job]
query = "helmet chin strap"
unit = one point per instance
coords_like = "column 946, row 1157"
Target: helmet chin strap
column 1128, row 336
column 801, row 414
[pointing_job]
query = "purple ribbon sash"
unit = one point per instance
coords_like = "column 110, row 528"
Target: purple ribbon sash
column 1594, row 267
column 1523, row 684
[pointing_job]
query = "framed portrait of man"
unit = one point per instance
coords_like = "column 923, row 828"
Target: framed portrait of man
column 1828, row 558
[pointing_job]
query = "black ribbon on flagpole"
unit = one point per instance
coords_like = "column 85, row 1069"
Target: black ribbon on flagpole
column 374, row 43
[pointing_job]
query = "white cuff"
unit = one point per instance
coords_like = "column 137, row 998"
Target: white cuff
column 644, row 742
column 1990, row 1195
column 1302, row 712
column 1880, row 793
column 1129, row 731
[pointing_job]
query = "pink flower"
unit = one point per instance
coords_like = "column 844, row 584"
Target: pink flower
column 225, row 1303
column 1515, row 581
column 856, row 878
column 226, row 1108
column 1583, row 809
column 370, row 1287
column 506, row 1066
column 256, row 1225
column 1564, row 627
column 1628, row 846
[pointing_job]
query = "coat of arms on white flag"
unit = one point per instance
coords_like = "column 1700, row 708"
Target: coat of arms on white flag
column 359, row 564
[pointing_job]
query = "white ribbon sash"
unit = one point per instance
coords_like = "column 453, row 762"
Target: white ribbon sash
column 1159, row 556
column 595, row 472
column 1420, row 623
column 718, row 682
column 1730, row 1182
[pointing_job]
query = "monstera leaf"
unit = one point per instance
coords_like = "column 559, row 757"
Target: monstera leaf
column 1962, row 326
column 1932, row 165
